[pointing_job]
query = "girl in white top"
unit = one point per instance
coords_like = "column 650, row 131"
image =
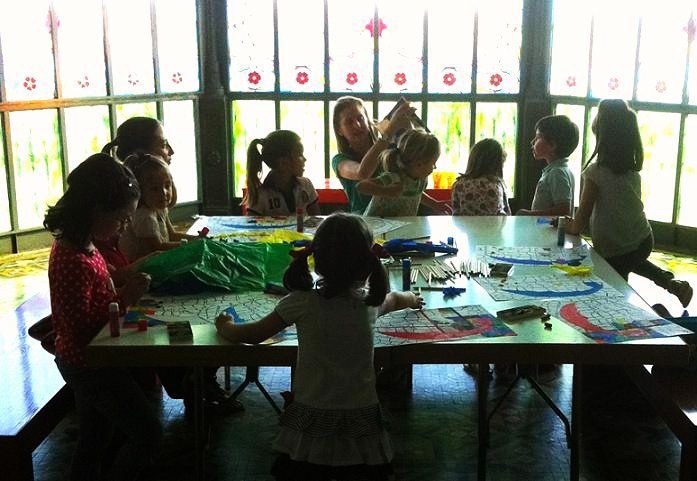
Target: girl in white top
column 333, row 428
column 284, row 189
column 611, row 200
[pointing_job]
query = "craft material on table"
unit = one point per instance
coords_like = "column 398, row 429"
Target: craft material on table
column 611, row 320
column 444, row 324
column 546, row 287
column 535, row 256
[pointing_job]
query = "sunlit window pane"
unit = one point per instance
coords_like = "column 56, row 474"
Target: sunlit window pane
column 400, row 29
column 37, row 165
column 301, row 45
column 250, row 40
column 179, row 127
column 177, row 46
column 498, row 46
column 130, row 44
column 687, row 214
column 333, row 146
column 659, row 134
column 450, row 36
column 450, row 122
column 86, row 132
column 662, row 75
column 351, row 45
column 570, row 48
column 499, row 121
column 5, row 224
column 307, row 120
column 251, row 119
column 612, row 67
column 27, row 51
column 577, row 115
column 81, row 47
column 126, row 111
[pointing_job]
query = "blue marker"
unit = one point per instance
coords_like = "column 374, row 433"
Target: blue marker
column 406, row 274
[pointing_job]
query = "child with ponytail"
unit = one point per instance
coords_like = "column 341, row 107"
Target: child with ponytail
column 284, row 189
column 333, row 428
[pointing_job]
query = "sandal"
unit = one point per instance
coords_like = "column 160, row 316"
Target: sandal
column 682, row 290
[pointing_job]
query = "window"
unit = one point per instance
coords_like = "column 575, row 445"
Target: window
column 63, row 93
column 648, row 66
column 457, row 61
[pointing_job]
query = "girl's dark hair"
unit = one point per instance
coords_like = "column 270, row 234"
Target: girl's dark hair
column 413, row 145
column 99, row 184
column 343, row 257
column 486, row 159
column 143, row 165
column 617, row 138
column 276, row 145
column 135, row 134
column 342, row 104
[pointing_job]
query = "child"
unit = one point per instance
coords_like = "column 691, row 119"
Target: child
column 555, row 139
column 333, row 428
column 360, row 142
column 400, row 189
column 284, row 189
column 101, row 196
column 481, row 189
column 611, row 200
column 151, row 230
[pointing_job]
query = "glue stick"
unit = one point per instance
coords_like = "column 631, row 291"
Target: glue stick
column 300, row 219
column 114, row 325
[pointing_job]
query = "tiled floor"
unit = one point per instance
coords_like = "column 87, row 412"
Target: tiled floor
column 434, row 430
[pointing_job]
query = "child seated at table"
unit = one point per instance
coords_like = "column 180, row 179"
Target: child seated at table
column 399, row 191
column 284, row 189
column 481, row 189
column 333, row 428
column 556, row 137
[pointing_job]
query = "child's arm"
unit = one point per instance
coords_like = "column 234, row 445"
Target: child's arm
column 154, row 244
column 589, row 195
column 400, row 300
column 557, row 210
column 252, row 333
column 378, row 188
column 440, row 206
column 176, row 235
column 313, row 209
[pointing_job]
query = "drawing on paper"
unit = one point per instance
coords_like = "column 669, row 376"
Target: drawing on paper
column 535, row 256
column 546, row 287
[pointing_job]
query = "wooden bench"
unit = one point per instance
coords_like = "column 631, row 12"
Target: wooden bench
column 33, row 395
column 673, row 393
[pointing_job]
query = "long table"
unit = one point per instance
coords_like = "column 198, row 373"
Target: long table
column 532, row 344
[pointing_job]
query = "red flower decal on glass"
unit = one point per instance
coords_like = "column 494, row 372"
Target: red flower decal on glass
column 370, row 26
column 613, row 83
column 29, row 83
column 302, row 78
column 133, row 79
column 48, row 22
column 495, row 80
column 83, row 82
column 177, row 77
column 571, row 81
column 449, row 79
column 661, row 86
column 400, row 78
column 690, row 29
column 351, row 78
column 254, row 78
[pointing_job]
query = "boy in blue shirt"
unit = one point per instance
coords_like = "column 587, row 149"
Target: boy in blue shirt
column 556, row 137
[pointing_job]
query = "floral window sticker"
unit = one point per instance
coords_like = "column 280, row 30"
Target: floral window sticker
column 29, row 82
column 571, row 81
column 177, row 78
column 449, row 79
column 495, row 80
column 661, row 86
column 83, row 82
column 371, row 27
column 400, row 78
column 351, row 78
column 613, row 83
column 253, row 78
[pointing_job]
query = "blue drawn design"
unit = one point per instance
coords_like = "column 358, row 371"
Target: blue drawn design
column 535, row 262
column 235, row 317
column 593, row 287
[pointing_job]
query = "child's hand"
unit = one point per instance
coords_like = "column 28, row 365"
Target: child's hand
column 393, row 190
column 136, row 285
column 222, row 320
column 400, row 120
column 415, row 301
column 523, row 212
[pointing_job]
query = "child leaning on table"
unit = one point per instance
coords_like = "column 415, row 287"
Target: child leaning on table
column 284, row 189
column 101, row 196
column 400, row 189
column 333, row 428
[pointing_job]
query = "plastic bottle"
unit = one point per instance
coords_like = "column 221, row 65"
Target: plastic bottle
column 300, row 219
column 561, row 231
column 114, row 321
column 406, row 274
